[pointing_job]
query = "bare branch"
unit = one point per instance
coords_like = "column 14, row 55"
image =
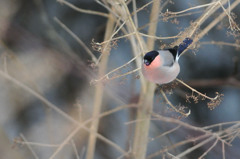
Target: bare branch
column 82, row 10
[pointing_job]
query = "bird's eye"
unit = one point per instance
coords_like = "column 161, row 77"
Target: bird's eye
column 146, row 62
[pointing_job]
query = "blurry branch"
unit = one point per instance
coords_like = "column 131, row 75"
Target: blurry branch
column 62, row 44
column 79, row 125
column 208, row 13
column 10, row 55
column 220, row 125
column 80, row 42
column 29, row 147
column 214, row 22
column 211, row 10
column 100, row 47
column 194, row 90
column 213, row 103
column 134, row 4
column 173, row 107
column 134, row 33
column 7, row 148
column 219, row 43
column 159, row 38
column 207, row 136
column 229, row 13
column 171, row 156
column 104, row 5
column 178, row 144
column 200, row 144
column 192, row 8
column 35, row 143
column 140, row 141
column 75, row 149
column 99, row 89
column 203, row 83
column 165, row 17
column 106, row 76
column 67, row 140
column 141, row 8
column 223, row 150
column 166, row 133
column 82, row 10
column 232, row 23
column 4, row 54
column 137, row 42
column 219, row 137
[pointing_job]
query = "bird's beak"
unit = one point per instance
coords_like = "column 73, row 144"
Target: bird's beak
column 146, row 62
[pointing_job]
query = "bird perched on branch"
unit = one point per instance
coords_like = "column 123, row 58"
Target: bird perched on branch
column 162, row 66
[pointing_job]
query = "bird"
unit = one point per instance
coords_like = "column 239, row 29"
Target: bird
column 161, row 66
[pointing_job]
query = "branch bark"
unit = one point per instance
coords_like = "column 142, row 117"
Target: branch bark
column 99, row 90
column 146, row 98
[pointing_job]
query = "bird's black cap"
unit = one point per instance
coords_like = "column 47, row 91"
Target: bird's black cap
column 149, row 57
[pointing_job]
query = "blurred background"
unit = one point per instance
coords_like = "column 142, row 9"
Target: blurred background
column 36, row 51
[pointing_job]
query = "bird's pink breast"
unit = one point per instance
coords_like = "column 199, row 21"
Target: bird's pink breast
column 161, row 75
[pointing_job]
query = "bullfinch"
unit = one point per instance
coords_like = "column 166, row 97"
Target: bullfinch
column 162, row 66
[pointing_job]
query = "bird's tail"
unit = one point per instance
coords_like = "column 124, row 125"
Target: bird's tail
column 186, row 42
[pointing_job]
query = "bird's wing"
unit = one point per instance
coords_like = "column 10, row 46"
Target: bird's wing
column 186, row 42
column 167, row 57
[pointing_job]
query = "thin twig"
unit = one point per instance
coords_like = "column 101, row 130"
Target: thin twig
column 99, row 89
column 36, row 144
column 166, row 133
column 194, row 90
column 122, row 75
column 220, row 124
column 209, row 149
column 135, row 11
column 75, row 149
column 82, row 10
column 192, row 8
column 201, row 20
column 229, row 12
column 77, row 39
column 110, row 38
column 229, row 17
column 144, row 6
column 216, row 21
column 29, row 147
column 219, row 43
column 178, row 144
column 223, row 150
column 179, row 122
column 108, row 8
column 173, row 107
column 159, row 37
column 195, row 147
column 106, row 76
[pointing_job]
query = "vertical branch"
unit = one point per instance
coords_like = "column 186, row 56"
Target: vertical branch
column 153, row 26
column 99, row 90
column 146, row 98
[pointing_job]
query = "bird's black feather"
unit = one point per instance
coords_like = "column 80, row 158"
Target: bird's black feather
column 173, row 51
column 149, row 57
column 186, row 42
